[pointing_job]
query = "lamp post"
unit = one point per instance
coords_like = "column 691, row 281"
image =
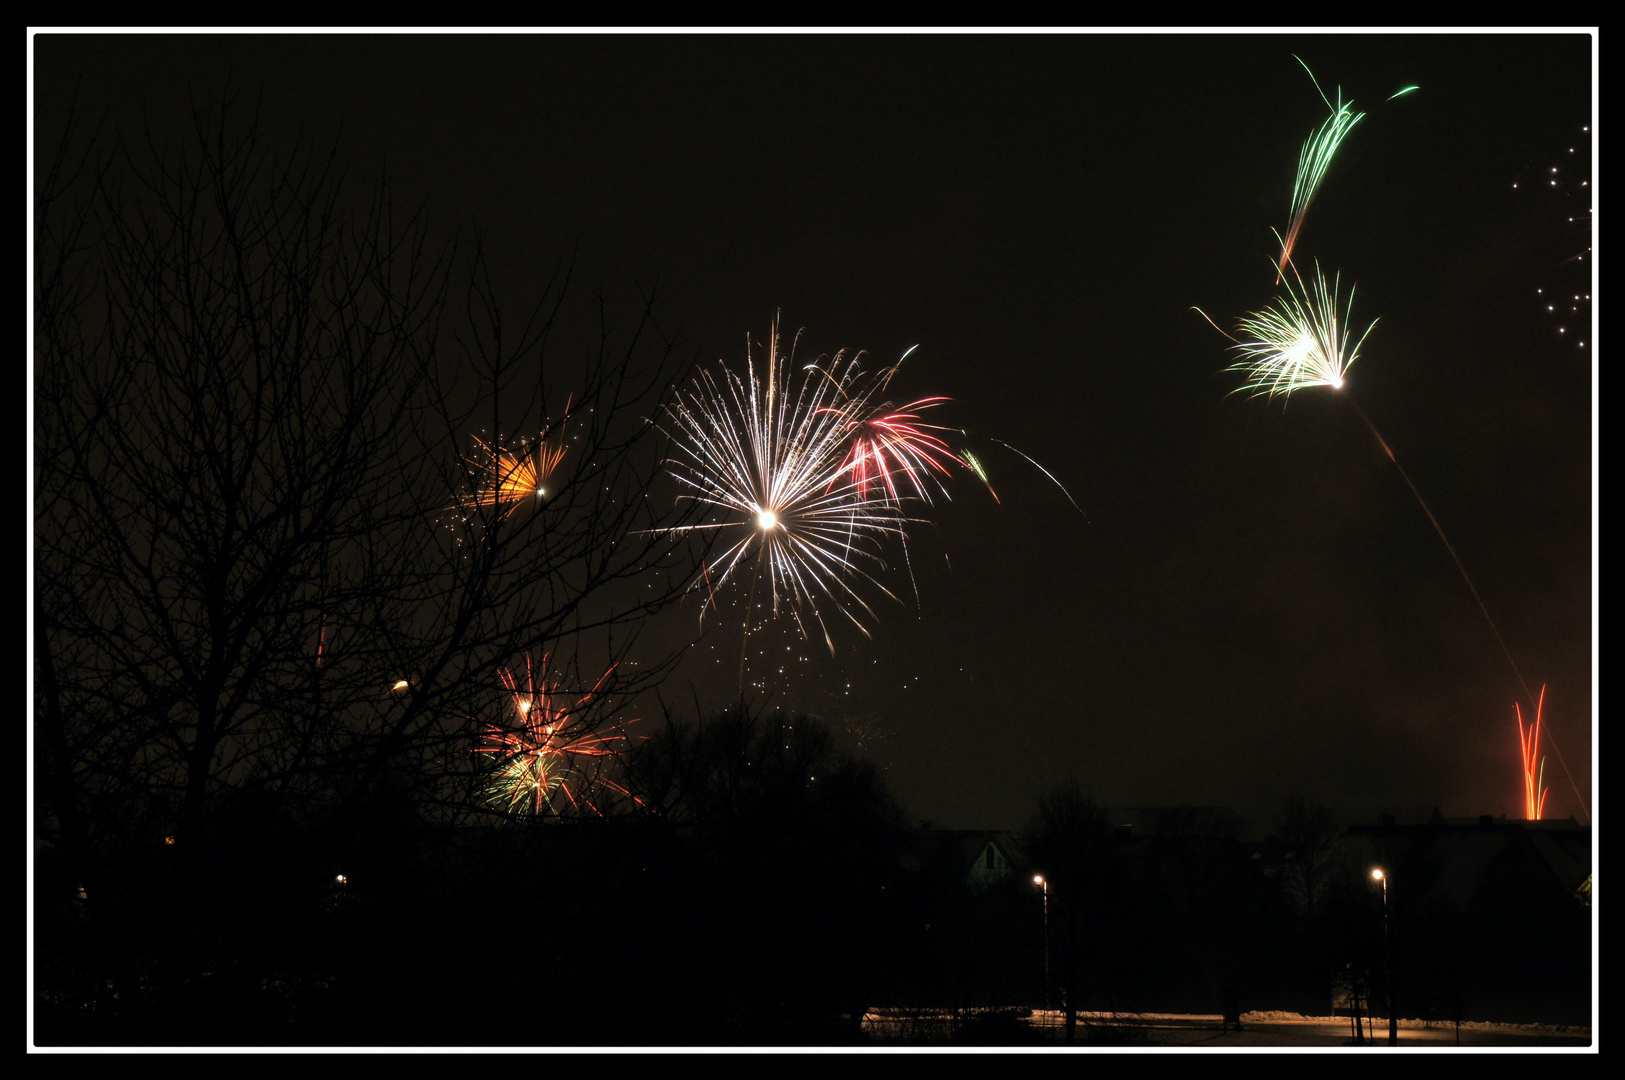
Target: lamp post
column 1387, row 956
column 1038, row 879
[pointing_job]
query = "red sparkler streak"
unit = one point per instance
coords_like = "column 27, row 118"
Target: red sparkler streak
column 1533, row 804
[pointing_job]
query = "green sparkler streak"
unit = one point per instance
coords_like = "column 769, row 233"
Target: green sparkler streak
column 975, row 464
column 1313, row 160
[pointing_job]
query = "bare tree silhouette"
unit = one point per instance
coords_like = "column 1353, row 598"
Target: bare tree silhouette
column 1310, row 838
column 271, row 582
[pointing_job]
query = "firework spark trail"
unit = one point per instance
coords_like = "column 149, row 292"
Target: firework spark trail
column 1313, row 160
column 540, row 755
column 976, row 465
column 772, row 459
column 1534, row 793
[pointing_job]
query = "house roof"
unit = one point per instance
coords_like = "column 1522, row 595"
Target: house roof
column 1465, row 854
column 951, row 853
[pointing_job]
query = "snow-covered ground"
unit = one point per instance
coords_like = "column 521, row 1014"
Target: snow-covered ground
column 1420, row 1025
column 1184, row 1031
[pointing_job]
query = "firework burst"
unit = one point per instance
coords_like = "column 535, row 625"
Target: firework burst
column 552, row 755
column 798, row 501
column 506, row 477
column 1299, row 341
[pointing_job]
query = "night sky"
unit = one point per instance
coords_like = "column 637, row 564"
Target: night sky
column 1252, row 601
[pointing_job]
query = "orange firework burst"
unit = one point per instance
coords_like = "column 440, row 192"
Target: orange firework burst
column 552, row 755
column 1534, row 766
column 508, row 477
column 505, row 477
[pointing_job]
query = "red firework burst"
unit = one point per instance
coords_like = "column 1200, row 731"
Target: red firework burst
column 891, row 445
column 554, row 754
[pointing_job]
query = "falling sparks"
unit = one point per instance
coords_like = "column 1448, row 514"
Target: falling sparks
column 1534, row 766
column 550, row 756
column 1566, row 212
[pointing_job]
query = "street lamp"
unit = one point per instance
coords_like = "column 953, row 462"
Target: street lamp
column 1038, row 879
column 1387, row 956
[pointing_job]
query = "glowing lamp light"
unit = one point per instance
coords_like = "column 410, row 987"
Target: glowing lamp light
column 400, row 684
column 1376, row 873
column 1038, row 879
